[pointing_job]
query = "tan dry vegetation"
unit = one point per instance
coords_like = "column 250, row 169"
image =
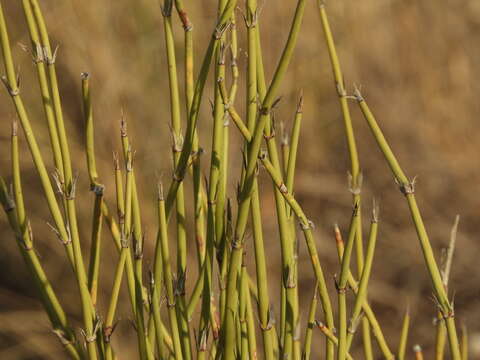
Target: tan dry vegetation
column 417, row 61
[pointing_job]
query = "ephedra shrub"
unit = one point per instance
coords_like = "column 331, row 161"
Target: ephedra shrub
column 229, row 313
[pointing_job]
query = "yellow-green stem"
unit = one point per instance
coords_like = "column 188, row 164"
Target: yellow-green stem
column 402, row 346
column 408, row 189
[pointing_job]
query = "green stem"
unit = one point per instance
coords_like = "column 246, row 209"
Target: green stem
column 245, row 194
column 404, row 336
column 293, row 149
column 242, row 313
column 369, row 314
column 221, row 205
column 252, row 343
column 14, row 91
column 155, row 305
column 266, row 322
column 69, row 186
column 307, row 347
column 361, row 296
column 94, row 263
column 162, row 250
column 289, row 314
column 180, row 197
column 214, row 233
column 143, row 344
column 124, row 205
column 114, row 230
column 307, row 231
column 198, row 190
column 39, row 60
column 408, row 188
column 440, row 337
column 356, row 178
column 342, row 286
column 183, row 161
column 15, row 210
column 97, row 188
column 109, row 327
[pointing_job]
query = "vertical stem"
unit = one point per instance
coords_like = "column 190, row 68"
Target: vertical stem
column 440, row 337
column 266, row 320
column 285, row 148
column 180, row 197
column 89, row 130
column 242, row 312
column 161, row 350
column 290, row 172
column 342, row 286
column 213, row 238
column 124, row 205
column 143, row 343
column 94, row 263
column 361, row 294
column 441, row 333
column 198, row 190
column 221, row 221
column 307, row 347
column 294, row 139
column 252, row 342
column 404, row 335
column 162, row 248
column 97, row 188
column 246, row 318
column 117, row 282
column 369, row 314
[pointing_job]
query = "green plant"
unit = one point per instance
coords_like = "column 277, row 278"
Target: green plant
column 226, row 327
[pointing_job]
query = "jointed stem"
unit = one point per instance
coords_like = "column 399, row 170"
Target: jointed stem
column 408, row 188
column 247, row 186
column 356, row 177
column 287, row 235
column 15, row 210
column 180, row 197
column 375, row 326
column 307, row 347
column 342, row 286
column 96, row 188
column 11, row 82
column 39, row 60
column 183, row 160
column 162, row 250
column 307, row 231
column 68, row 188
column 361, row 295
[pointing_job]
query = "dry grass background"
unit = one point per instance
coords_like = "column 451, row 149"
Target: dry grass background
column 418, row 63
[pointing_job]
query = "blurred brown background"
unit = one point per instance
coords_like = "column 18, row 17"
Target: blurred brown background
column 417, row 62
